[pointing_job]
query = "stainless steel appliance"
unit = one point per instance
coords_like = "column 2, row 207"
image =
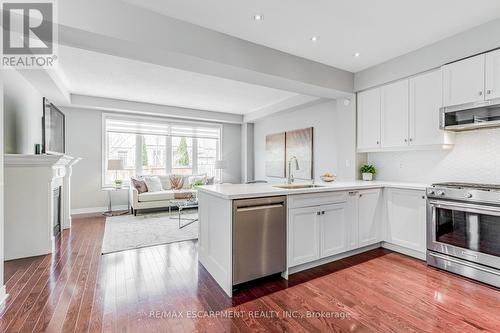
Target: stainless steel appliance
column 259, row 238
column 471, row 116
column 463, row 230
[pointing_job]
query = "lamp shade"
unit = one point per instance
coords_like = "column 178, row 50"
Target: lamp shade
column 220, row 164
column 115, row 165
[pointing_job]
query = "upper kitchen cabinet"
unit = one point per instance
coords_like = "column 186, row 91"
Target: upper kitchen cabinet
column 369, row 119
column 463, row 81
column 394, row 114
column 409, row 115
column 492, row 72
column 425, row 99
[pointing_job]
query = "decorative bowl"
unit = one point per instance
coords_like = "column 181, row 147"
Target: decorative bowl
column 328, row 178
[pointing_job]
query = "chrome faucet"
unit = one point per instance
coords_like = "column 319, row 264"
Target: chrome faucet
column 290, row 178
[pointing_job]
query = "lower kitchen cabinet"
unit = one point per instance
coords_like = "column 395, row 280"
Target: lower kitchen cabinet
column 303, row 235
column 406, row 210
column 369, row 217
column 317, row 232
column 334, row 229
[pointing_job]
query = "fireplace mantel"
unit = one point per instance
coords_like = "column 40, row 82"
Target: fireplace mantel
column 29, row 205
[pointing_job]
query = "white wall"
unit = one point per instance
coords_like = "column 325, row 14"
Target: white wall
column 23, row 110
column 84, row 139
column 334, row 137
column 477, row 40
column 475, row 158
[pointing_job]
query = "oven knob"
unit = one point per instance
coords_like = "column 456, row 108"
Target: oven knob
column 430, row 192
column 468, row 195
column 441, row 193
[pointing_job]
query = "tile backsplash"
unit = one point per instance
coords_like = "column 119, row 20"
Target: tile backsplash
column 474, row 158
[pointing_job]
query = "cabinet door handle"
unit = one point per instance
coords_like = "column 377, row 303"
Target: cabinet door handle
column 488, row 91
column 378, row 142
column 480, row 93
column 411, row 140
column 360, row 195
column 323, row 213
column 406, row 140
column 318, row 213
column 423, row 197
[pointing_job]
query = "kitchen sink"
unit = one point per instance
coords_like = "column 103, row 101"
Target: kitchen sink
column 297, row 186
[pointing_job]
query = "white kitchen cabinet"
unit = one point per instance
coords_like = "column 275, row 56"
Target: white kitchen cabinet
column 303, row 235
column 492, row 72
column 394, row 114
column 369, row 119
column 425, row 100
column 334, row 229
column 369, row 217
column 463, row 81
column 406, row 218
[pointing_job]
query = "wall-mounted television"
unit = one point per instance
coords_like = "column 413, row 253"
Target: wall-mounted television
column 53, row 129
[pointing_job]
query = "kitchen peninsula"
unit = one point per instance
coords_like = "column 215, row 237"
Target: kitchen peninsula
column 316, row 223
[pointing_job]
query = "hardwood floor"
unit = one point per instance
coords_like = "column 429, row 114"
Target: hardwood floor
column 164, row 289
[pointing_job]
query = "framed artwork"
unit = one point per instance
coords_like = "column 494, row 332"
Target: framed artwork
column 299, row 143
column 275, row 155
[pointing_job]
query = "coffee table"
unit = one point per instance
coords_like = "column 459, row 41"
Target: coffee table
column 182, row 204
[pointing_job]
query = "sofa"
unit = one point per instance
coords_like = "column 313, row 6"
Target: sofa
column 140, row 201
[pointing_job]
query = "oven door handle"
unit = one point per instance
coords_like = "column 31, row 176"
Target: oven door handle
column 466, row 207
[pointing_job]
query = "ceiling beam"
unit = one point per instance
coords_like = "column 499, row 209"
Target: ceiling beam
column 284, row 105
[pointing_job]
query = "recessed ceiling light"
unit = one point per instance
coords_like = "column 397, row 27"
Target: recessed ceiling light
column 258, row 17
column 314, row 38
column 356, row 54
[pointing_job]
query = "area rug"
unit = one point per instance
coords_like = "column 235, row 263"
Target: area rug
column 131, row 232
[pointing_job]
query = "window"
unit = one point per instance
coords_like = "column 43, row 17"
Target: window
column 157, row 147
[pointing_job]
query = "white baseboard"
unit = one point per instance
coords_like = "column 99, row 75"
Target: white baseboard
column 97, row 209
column 3, row 297
column 323, row 261
column 404, row 250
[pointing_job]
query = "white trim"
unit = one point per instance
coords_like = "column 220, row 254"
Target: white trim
column 404, row 250
column 97, row 209
column 336, row 257
column 31, row 160
column 3, row 297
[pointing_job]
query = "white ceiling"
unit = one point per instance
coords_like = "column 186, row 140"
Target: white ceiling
column 378, row 29
column 96, row 74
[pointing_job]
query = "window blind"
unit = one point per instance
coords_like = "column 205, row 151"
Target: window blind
column 144, row 127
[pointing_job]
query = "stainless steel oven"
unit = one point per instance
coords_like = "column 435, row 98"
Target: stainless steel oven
column 463, row 230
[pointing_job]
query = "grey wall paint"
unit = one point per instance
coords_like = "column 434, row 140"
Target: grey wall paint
column 334, row 137
column 84, row 139
column 477, row 40
column 23, row 110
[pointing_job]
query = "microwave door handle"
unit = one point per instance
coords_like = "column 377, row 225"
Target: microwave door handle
column 464, row 207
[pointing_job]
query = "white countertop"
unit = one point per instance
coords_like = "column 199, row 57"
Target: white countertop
column 241, row 191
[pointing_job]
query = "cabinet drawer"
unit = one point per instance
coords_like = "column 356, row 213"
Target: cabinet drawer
column 316, row 199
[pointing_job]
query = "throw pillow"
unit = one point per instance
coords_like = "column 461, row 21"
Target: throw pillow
column 139, row 185
column 176, row 181
column 210, row 180
column 165, row 182
column 153, row 183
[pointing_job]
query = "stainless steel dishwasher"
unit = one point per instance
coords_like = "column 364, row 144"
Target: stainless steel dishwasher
column 259, row 238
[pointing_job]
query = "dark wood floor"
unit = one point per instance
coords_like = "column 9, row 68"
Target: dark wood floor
column 164, row 289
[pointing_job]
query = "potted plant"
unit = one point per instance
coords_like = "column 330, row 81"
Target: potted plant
column 118, row 183
column 367, row 171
